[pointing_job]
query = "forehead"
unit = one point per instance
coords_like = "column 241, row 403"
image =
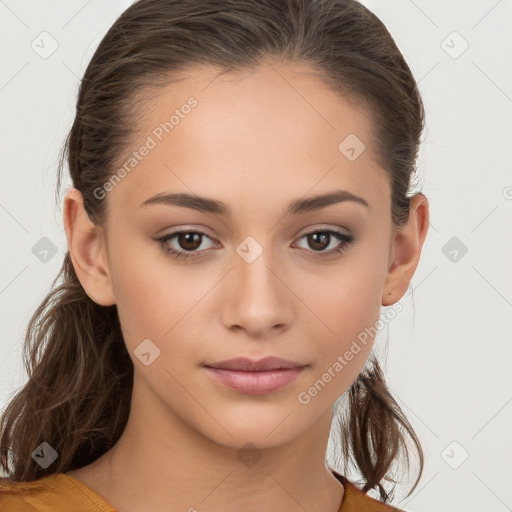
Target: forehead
column 276, row 131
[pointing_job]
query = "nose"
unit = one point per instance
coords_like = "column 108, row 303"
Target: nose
column 256, row 297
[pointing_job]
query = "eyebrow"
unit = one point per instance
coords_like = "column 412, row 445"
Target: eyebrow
column 297, row 206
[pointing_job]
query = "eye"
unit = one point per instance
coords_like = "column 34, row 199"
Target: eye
column 191, row 241
column 320, row 239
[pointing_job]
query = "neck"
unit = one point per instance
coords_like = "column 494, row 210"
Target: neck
column 177, row 468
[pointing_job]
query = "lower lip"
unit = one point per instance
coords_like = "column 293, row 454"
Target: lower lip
column 255, row 383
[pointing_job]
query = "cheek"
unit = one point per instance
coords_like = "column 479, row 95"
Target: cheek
column 348, row 308
column 155, row 300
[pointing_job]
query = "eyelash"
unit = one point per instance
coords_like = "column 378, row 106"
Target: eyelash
column 162, row 242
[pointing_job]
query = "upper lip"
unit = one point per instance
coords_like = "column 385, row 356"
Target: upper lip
column 251, row 365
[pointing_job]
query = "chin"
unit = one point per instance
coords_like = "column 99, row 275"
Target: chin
column 264, row 426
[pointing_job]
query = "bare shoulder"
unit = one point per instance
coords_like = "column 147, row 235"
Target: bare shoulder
column 92, row 476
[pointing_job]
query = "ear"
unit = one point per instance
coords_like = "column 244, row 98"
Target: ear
column 405, row 250
column 87, row 249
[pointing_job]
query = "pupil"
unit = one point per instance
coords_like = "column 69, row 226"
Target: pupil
column 316, row 244
column 186, row 240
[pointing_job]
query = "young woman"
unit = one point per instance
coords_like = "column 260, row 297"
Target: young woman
column 241, row 210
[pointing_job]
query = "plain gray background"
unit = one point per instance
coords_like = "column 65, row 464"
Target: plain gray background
column 449, row 352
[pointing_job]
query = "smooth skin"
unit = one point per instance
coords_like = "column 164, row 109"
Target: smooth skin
column 255, row 141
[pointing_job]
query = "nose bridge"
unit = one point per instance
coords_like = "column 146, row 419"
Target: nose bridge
column 258, row 297
column 255, row 264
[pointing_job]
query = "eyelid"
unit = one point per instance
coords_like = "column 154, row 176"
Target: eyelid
column 180, row 228
column 205, row 231
column 324, row 227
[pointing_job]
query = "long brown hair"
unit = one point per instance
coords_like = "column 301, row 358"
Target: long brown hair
column 80, row 376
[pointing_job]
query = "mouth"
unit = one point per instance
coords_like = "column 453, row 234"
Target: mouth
column 246, row 364
column 255, row 377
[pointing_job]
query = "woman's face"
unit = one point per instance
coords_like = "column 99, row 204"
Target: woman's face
column 256, row 281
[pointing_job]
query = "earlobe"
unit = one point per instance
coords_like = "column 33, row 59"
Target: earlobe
column 406, row 250
column 87, row 249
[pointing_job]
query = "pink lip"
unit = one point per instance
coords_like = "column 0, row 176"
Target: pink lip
column 255, row 383
column 255, row 377
column 249, row 365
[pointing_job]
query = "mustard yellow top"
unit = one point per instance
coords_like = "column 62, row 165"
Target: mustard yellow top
column 64, row 493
